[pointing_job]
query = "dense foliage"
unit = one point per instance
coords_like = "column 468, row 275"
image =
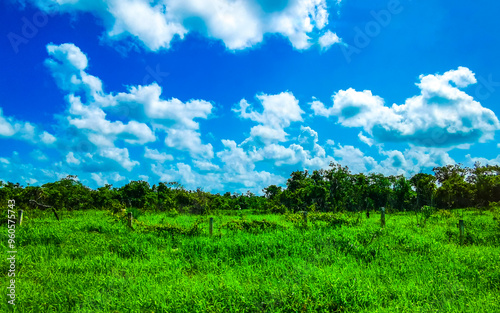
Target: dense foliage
column 335, row 189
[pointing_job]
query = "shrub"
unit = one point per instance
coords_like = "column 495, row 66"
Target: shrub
column 427, row 211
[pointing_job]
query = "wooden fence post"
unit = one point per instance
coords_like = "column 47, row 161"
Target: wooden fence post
column 130, row 219
column 461, row 226
column 382, row 217
column 20, row 217
column 211, row 226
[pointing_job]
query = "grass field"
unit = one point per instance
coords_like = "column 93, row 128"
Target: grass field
column 92, row 262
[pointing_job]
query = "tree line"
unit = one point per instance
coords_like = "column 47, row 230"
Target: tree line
column 327, row 190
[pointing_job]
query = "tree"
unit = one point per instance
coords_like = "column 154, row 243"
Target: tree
column 67, row 193
column 455, row 191
column 486, row 183
column 425, row 188
column 137, row 194
column 379, row 189
column 339, row 185
column 273, row 192
column 402, row 194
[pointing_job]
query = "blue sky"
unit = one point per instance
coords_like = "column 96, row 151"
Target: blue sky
column 235, row 95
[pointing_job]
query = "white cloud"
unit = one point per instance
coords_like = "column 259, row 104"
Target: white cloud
column 319, row 108
column 13, row 128
column 426, row 157
column 38, row 155
column 238, row 23
column 189, row 178
column 173, row 116
column 279, row 111
column 235, row 158
column 153, row 154
column 206, row 165
column 103, row 179
column 363, row 138
column 67, row 64
column 70, row 159
column 4, row 161
column 327, row 40
column 239, row 169
column 153, row 25
column 47, row 138
column 441, row 116
column 6, row 128
column 188, row 140
column 144, row 178
column 91, row 120
column 9, row 127
column 120, row 155
column 394, row 164
column 472, row 160
column 98, row 179
column 354, row 159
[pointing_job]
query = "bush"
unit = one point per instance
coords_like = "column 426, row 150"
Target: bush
column 427, row 211
column 135, row 212
column 279, row 209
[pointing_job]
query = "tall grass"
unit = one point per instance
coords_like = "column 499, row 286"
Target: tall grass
column 92, row 262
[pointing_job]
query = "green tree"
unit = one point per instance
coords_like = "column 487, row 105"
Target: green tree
column 455, row 191
column 137, row 194
column 402, row 194
column 339, row 185
column 425, row 188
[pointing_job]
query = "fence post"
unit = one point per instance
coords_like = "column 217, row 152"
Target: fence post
column 382, row 217
column 20, row 217
column 211, row 224
column 130, row 219
column 305, row 217
column 461, row 226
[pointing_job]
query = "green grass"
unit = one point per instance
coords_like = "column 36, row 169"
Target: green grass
column 91, row 262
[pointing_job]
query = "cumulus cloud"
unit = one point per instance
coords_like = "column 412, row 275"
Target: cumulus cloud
column 153, row 154
column 174, row 116
column 47, row 138
column 238, row 24
column 363, row 138
column 70, row 159
column 279, row 111
column 188, row 140
column 102, row 131
column 10, row 127
column 470, row 161
column 441, row 116
column 426, row 157
column 97, row 121
column 327, row 40
column 120, row 155
column 103, row 179
column 206, row 165
column 239, row 169
column 354, row 158
column 188, row 177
